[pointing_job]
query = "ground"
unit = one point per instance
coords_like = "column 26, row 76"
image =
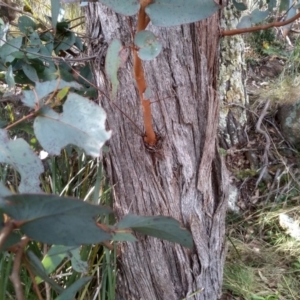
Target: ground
column 264, row 237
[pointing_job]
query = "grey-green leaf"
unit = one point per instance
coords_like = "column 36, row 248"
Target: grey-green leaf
column 115, row 58
column 20, row 156
column 55, row 8
column 30, row 72
column 176, row 12
column 42, row 89
column 4, row 191
column 56, row 220
column 38, row 269
column 124, row 7
column 26, row 25
column 241, row 6
column 13, row 45
column 82, row 123
column 9, row 77
column 148, row 44
column 161, row 227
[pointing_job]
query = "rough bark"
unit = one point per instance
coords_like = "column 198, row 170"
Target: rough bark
column 185, row 178
column 232, row 81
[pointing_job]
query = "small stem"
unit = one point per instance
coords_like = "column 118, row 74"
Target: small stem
column 150, row 137
column 21, row 120
column 6, row 231
column 15, row 275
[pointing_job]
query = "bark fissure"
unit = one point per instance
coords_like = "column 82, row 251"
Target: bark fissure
column 182, row 180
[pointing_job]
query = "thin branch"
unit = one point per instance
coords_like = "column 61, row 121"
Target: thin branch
column 6, row 231
column 259, row 27
column 15, row 275
column 32, row 276
column 21, row 120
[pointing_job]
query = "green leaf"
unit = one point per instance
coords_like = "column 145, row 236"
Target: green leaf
column 43, row 89
column 20, row 156
column 70, row 292
column 161, row 227
column 78, row 264
column 26, row 25
column 284, row 5
column 82, row 123
column 4, row 191
column 56, row 220
column 115, row 58
column 64, row 41
column 30, row 72
column 55, row 8
column 271, row 5
column 240, row 5
column 9, row 77
column 57, row 253
column 148, row 43
column 38, row 270
column 258, row 16
column 176, row 12
column 13, row 46
column 245, row 22
column 124, row 7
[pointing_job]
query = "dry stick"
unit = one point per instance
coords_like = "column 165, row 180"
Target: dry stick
column 268, row 142
column 260, row 27
column 15, row 275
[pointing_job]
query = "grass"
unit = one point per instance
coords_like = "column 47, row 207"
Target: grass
column 263, row 259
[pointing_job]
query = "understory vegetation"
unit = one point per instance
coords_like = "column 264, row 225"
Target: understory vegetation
column 264, row 235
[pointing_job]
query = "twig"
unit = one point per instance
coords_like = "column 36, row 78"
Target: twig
column 11, row 98
column 15, row 275
column 6, row 231
column 268, row 142
column 260, row 27
column 35, row 286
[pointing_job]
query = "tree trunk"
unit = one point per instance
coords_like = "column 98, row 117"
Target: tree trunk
column 185, row 178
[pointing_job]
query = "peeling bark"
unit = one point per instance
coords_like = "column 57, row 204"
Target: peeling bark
column 185, row 178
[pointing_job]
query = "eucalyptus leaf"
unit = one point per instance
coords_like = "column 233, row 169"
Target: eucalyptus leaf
column 21, row 157
column 30, row 72
column 26, row 25
column 43, row 89
column 56, row 220
column 9, row 77
column 124, row 7
column 148, row 43
column 176, row 12
column 115, row 58
column 11, row 46
column 82, row 123
column 55, row 8
column 161, row 227
column 38, row 270
column 241, row 6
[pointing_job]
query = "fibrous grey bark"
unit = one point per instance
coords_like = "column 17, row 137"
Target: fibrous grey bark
column 185, row 178
column 232, row 81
